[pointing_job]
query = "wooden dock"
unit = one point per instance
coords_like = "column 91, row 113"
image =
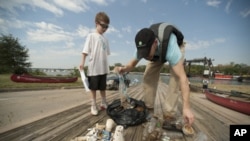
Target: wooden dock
column 212, row 121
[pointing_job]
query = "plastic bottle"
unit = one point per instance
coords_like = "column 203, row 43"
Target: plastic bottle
column 155, row 135
column 118, row 135
column 179, row 123
column 145, row 132
column 201, row 137
column 152, row 124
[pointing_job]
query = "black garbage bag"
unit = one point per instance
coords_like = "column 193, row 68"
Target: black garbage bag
column 135, row 114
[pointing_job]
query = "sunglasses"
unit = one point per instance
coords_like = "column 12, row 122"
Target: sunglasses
column 104, row 25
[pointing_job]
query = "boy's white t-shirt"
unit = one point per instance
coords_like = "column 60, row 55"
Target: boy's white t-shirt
column 97, row 48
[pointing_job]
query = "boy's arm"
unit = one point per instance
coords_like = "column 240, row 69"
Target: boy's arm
column 84, row 56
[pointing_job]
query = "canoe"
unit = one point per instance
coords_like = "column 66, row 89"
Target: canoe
column 26, row 78
column 231, row 101
column 222, row 76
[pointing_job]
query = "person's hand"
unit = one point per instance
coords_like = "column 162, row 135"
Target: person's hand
column 188, row 117
column 118, row 70
column 81, row 67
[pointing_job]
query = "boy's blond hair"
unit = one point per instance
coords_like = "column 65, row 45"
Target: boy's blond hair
column 102, row 16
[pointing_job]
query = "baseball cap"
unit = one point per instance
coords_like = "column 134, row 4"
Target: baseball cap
column 143, row 41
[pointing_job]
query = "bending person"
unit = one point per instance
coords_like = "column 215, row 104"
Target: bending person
column 158, row 44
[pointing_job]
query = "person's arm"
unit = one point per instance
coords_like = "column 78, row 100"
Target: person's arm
column 84, row 56
column 127, row 68
column 178, row 69
column 86, row 51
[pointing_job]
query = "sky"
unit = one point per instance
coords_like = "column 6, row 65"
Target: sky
column 54, row 31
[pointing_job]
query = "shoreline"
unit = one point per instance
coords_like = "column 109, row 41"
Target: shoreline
column 226, row 87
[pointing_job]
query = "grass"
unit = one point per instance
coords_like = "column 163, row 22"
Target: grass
column 226, row 87
column 7, row 84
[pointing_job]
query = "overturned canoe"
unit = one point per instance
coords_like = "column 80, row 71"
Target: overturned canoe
column 26, row 78
column 237, row 103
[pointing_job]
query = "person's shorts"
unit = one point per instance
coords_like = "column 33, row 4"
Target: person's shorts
column 97, row 82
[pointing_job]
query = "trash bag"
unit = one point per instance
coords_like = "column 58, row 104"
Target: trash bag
column 134, row 114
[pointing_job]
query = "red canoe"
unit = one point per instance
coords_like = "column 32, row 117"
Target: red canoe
column 223, row 76
column 240, row 104
column 38, row 79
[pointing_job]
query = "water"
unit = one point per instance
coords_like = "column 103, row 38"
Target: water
column 165, row 79
column 217, row 81
column 58, row 72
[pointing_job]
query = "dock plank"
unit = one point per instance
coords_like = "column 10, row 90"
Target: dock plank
column 212, row 120
column 76, row 121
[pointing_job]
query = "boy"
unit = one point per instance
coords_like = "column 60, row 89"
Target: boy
column 97, row 48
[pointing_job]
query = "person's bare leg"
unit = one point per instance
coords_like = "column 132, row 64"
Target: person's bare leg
column 94, row 110
column 104, row 104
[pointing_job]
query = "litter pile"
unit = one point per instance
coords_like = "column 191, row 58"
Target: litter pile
column 127, row 111
column 103, row 133
column 165, row 130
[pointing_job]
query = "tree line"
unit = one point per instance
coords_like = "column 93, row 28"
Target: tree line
column 230, row 69
column 14, row 59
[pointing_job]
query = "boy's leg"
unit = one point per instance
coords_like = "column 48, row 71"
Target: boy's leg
column 93, row 88
column 150, row 82
column 94, row 110
column 104, row 103
column 102, row 87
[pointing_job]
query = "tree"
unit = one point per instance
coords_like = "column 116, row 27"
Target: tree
column 118, row 64
column 13, row 56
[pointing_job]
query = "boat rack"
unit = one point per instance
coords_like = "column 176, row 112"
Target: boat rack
column 207, row 63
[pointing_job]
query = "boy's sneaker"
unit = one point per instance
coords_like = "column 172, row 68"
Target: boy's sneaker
column 94, row 110
column 103, row 105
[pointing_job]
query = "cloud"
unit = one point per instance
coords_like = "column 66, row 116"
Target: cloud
column 227, row 9
column 127, row 29
column 114, row 54
column 72, row 5
column 83, row 31
column 70, row 44
column 145, row 1
column 186, row 2
column 213, row 3
column 54, row 6
column 100, row 2
column 43, row 58
column 65, row 52
column 245, row 13
column 112, row 29
column 39, row 32
column 48, row 6
column 10, row 5
column 194, row 45
column 47, row 32
column 129, row 43
column 12, row 23
column 3, row 27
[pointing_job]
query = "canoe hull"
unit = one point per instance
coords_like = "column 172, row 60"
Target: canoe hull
column 25, row 78
column 223, row 76
column 237, row 105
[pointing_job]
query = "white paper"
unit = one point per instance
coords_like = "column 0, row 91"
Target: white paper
column 85, row 81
